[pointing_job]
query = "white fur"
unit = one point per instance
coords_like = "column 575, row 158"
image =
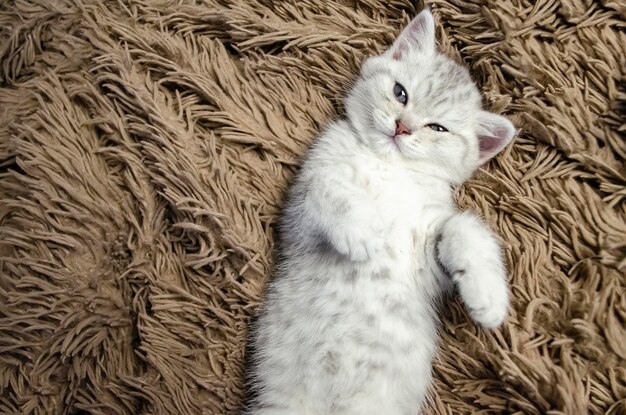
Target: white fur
column 349, row 324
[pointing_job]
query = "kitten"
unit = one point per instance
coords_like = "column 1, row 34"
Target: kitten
column 350, row 320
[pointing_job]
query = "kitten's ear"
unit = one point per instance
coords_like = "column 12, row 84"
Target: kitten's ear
column 418, row 35
column 494, row 133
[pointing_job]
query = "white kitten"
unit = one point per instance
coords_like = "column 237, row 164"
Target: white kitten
column 349, row 325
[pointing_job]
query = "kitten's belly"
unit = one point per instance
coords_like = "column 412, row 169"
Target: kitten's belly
column 345, row 334
column 365, row 331
column 378, row 335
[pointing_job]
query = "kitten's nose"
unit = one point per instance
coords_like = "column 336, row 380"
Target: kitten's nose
column 401, row 128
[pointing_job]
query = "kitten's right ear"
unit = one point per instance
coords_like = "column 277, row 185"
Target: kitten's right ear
column 418, row 35
column 494, row 132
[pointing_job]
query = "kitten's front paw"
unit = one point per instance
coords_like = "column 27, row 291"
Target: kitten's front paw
column 359, row 243
column 485, row 293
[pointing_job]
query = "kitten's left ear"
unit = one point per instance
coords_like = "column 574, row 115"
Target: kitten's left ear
column 418, row 35
column 494, row 133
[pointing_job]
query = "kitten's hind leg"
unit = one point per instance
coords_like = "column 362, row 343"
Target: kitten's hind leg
column 471, row 255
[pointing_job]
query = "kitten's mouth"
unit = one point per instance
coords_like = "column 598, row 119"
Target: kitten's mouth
column 394, row 139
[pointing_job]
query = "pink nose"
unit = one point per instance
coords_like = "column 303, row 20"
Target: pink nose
column 401, row 128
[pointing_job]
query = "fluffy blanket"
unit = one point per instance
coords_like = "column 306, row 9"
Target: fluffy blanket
column 145, row 148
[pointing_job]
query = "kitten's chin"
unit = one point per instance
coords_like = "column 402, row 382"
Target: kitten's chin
column 385, row 146
column 381, row 142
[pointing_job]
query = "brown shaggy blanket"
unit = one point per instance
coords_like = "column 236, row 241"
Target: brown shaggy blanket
column 145, row 148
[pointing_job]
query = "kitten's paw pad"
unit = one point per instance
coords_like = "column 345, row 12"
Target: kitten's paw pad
column 485, row 295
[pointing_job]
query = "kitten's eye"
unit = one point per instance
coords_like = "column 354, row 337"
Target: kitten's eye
column 438, row 128
column 400, row 93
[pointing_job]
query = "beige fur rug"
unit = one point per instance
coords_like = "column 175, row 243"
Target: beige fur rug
column 145, row 147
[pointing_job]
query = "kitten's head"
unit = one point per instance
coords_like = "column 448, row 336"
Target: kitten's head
column 414, row 104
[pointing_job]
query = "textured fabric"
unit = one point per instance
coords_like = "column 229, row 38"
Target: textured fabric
column 145, row 148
